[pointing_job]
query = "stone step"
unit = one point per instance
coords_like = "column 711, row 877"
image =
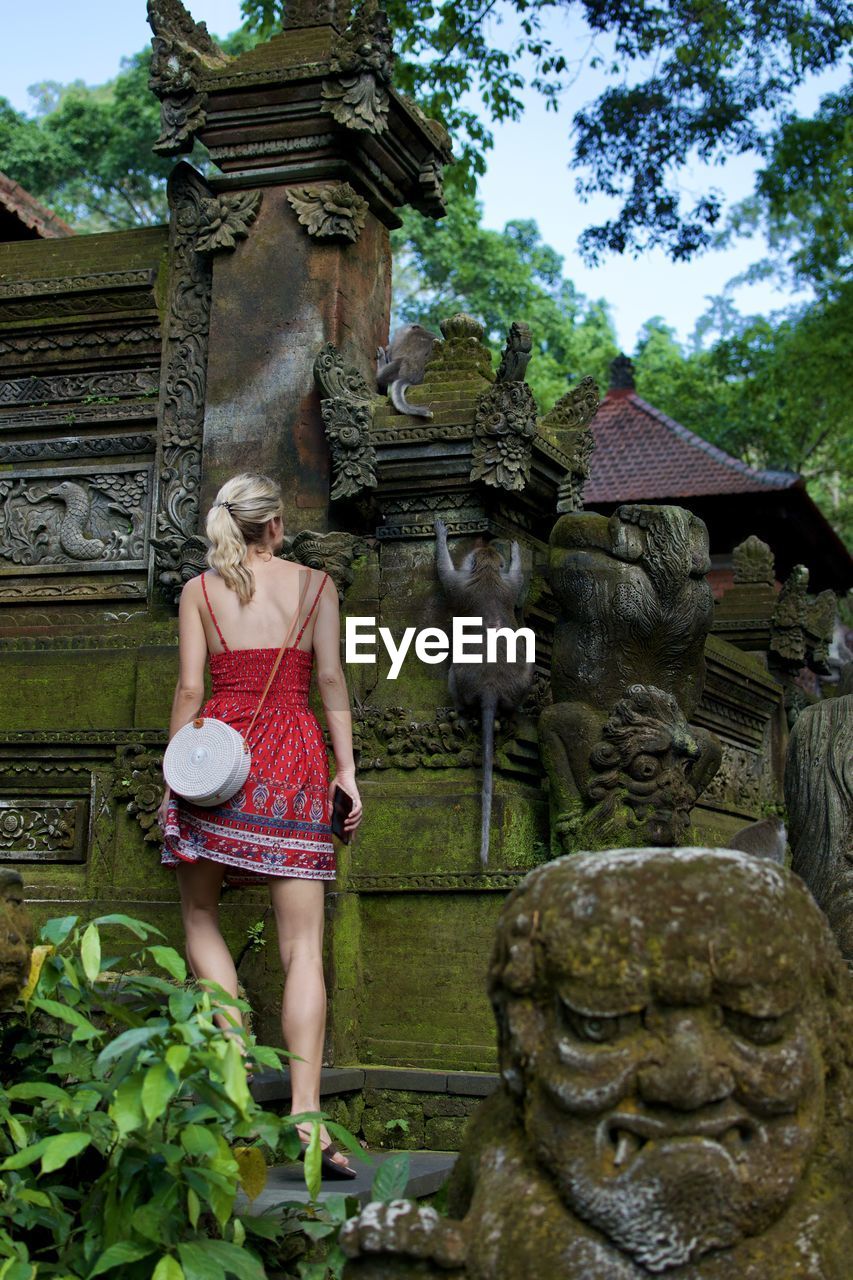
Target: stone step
column 429, row 1170
column 274, row 1086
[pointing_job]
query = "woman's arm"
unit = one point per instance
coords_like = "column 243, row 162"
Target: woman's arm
column 335, row 696
column 192, row 655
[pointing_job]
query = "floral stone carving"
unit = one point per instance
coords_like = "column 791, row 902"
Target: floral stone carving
column 330, row 212
column 675, row 1052
column 347, row 411
column 504, row 427
column 139, row 781
column 356, row 94
column 634, row 609
column 223, row 220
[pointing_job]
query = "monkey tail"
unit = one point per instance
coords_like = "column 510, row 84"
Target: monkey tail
column 488, row 707
column 397, row 392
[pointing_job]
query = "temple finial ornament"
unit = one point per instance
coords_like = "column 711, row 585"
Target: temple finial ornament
column 182, row 49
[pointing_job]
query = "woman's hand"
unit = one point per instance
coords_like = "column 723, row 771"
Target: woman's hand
column 346, row 782
column 163, row 810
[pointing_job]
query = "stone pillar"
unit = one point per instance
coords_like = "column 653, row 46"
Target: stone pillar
column 309, row 122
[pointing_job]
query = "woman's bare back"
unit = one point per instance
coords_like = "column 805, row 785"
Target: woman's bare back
column 269, row 616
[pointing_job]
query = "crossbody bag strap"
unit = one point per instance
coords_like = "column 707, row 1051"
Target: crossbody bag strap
column 275, row 665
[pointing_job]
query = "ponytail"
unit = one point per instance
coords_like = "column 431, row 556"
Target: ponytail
column 235, row 522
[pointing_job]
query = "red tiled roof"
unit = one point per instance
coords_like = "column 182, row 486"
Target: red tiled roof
column 17, row 202
column 641, row 455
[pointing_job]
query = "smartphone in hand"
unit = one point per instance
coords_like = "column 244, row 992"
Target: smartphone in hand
column 341, row 808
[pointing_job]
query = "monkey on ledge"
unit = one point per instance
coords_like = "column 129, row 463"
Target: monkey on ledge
column 484, row 588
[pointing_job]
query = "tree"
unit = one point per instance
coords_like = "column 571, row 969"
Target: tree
column 87, row 153
column 502, row 276
column 802, row 199
column 776, row 392
column 691, row 81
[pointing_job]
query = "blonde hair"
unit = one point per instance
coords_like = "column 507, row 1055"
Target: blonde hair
column 236, row 521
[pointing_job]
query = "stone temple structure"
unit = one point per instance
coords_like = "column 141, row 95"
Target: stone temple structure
column 139, row 369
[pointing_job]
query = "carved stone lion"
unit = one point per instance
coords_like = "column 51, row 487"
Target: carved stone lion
column 635, row 607
column 675, row 1044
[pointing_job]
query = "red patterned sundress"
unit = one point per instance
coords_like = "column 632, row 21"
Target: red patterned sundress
column 278, row 824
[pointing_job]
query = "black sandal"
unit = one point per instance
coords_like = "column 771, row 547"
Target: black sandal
column 330, row 1168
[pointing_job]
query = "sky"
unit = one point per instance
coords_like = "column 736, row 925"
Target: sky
column 528, row 175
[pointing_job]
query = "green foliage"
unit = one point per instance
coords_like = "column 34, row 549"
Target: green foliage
column 502, row 276
column 775, row 392
column 392, row 1177
column 89, row 157
column 688, row 81
column 802, row 199
column 127, row 1127
column 87, row 153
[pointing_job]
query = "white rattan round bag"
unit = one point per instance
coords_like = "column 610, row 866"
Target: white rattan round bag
column 207, row 762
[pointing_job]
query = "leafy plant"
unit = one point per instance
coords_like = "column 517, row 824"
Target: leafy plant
column 398, row 1122
column 127, row 1128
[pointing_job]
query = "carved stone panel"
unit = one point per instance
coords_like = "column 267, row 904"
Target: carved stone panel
column 74, row 522
column 52, row 830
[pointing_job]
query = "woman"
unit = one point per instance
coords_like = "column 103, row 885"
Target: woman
column 277, row 827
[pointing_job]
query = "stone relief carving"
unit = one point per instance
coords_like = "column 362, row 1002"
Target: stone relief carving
column 182, row 50
column 331, row 212
column 201, row 224
column 576, row 409
column 16, row 937
column 347, row 406
column 73, row 447
column 40, row 592
column 139, row 781
column 439, row 882
column 332, row 552
column 634, row 609
column 753, row 562
column 431, row 182
column 75, row 284
column 388, row 738
column 88, row 518
column 356, row 93
column 504, row 427
column 36, row 344
column 802, row 626
column 788, row 638
column 225, row 219
column 78, row 386
column 568, row 423
column 516, row 353
column 645, row 772
column 739, row 782
column 819, row 800
column 675, row 1055
column 38, row 830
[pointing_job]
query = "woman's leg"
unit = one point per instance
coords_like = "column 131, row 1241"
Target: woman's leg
column 207, row 953
column 298, row 906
